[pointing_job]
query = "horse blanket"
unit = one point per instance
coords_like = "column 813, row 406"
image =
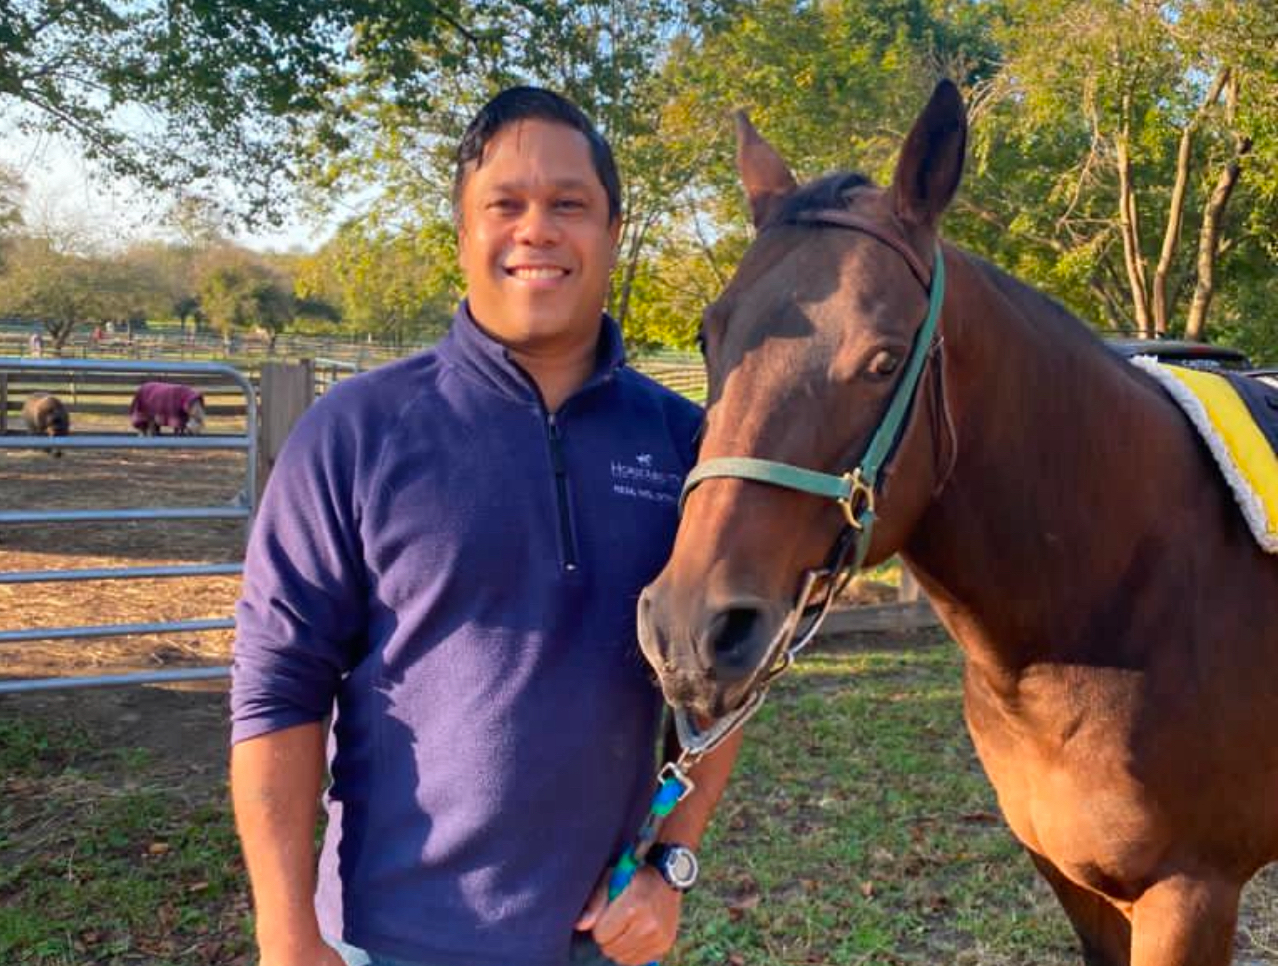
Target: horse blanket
column 1237, row 417
column 165, row 404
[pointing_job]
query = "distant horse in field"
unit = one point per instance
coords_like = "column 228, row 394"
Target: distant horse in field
column 160, row 404
column 46, row 415
column 1120, row 625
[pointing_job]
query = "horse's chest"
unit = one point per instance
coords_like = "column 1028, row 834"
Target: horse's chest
column 1064, row 781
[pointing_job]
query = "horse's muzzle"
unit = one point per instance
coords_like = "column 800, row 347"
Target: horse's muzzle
column 707, row 660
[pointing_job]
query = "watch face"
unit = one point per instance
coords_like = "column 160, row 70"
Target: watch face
column 680, row 867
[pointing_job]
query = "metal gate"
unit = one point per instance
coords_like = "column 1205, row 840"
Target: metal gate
column 83, row 371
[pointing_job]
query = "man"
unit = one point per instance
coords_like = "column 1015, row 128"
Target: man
column 448, row 558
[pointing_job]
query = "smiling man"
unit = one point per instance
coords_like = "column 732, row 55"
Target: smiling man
column 447, row 560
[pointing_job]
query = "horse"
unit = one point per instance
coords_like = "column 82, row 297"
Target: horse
column 46, row 415
column 159, row 404
column 1119, row 624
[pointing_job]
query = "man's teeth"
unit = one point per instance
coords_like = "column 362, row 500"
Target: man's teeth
column 537, row 273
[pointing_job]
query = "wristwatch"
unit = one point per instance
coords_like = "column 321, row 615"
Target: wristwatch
column 676, row 863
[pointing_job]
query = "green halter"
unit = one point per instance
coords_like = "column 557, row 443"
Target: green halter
column 854, row 491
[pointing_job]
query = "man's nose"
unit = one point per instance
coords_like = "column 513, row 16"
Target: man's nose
column 538, row 226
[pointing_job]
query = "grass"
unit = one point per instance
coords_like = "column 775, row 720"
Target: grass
column 100, row 864
column 859, row 829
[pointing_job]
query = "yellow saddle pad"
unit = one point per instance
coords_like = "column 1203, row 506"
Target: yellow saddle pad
column 1237, row 417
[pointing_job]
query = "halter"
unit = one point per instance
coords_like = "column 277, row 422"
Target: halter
column 855, row 490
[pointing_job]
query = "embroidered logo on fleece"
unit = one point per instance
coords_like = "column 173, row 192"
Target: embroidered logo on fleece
column 640, row 480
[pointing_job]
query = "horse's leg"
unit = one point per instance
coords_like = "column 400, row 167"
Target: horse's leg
column 1104, row 932
column 1181, row 921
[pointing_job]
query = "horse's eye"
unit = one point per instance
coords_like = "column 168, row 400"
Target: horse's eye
column 884, row 363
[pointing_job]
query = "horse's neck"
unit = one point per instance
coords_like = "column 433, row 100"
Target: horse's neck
column 1064, row 471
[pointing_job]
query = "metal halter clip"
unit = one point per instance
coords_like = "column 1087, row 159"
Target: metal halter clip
column 697, row 742
column 671, row 771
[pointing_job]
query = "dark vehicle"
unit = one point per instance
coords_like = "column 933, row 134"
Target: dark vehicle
column 1179, row 352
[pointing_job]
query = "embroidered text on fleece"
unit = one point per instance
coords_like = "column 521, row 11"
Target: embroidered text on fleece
column 454, row 573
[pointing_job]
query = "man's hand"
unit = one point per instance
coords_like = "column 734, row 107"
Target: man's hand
column 640, row 925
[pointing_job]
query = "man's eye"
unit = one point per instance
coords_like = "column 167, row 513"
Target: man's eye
column 570, row 204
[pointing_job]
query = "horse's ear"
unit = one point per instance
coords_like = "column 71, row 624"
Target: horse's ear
column 766, row 177
column 931, row 163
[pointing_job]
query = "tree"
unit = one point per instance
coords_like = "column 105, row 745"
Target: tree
column 170, row 270
column 64, row 290
column 11, row 191
column 1163, row 103
column 185, row 94
column 237, row 292
column 392, row 285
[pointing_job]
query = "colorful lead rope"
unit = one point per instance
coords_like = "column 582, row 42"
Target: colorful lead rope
column 673, row 786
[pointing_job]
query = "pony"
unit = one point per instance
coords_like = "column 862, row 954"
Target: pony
column 159, row 404
column 1119, row 624
column 46, row 415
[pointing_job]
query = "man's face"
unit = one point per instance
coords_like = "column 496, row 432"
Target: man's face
column 536, row 243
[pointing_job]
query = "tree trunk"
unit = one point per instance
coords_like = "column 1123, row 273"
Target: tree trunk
column 1209, row 233
column 61, row 331
column 1129, row 225
column 634, row 249
column 1176, row 207
column 1209, row 244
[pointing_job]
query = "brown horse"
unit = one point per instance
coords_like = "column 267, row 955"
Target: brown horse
column 1119, row 623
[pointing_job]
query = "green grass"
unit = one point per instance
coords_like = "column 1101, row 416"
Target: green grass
column 859, row 829
column 100, row 865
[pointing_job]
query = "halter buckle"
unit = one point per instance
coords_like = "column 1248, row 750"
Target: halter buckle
column 859, row 501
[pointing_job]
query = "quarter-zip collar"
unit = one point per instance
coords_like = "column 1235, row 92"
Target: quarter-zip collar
column 468, row 348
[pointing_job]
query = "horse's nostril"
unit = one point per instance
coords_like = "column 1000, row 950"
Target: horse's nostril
column 734, row 637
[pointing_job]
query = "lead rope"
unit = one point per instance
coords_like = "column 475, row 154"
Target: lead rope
column 673, row 786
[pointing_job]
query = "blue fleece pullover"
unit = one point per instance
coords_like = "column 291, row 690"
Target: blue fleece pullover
column 453, row 572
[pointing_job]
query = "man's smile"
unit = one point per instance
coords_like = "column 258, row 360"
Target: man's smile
column 536, row 272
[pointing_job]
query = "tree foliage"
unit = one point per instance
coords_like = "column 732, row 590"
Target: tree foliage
column 64, row 290
column 393, row 286
column 192, row 95
column 238, row 292
column 1132, row 151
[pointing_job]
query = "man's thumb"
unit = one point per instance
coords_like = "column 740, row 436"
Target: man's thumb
column 594, row 908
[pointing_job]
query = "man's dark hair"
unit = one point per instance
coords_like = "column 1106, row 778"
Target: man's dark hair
column 533, row 103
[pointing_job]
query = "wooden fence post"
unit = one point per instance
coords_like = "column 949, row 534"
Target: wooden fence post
column 4, row 403
column 285, row 391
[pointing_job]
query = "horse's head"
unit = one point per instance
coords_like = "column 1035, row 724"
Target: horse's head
column 805, row 350
column 195, row 417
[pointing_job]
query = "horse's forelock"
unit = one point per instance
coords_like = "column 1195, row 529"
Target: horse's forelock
column 832, row 191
